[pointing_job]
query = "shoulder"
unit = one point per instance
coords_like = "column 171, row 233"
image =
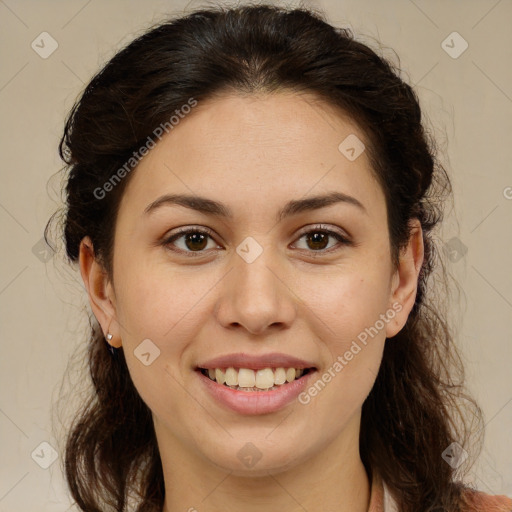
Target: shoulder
column 474, row 500
column 381, row 499
column 478, row 501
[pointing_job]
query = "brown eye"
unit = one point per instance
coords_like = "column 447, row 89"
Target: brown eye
column 194, row 240
column 317, row 240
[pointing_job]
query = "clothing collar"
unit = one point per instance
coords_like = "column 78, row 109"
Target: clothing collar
column 380, row 497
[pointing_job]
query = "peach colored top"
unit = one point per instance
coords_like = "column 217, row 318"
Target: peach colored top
column 382, row 501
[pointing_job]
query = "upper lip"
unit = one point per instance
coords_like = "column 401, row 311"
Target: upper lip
column 256, row 362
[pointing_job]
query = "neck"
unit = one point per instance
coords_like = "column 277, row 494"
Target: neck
column 333, row 479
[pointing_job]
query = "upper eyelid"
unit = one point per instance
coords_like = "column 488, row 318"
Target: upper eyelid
column 323, row 227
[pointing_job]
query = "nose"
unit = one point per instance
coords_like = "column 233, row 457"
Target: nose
column 256, row 296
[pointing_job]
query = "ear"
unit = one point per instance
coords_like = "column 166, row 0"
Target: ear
column 405, row 280
column 100, row 291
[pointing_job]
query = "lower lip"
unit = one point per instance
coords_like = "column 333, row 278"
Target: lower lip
column 256, row 402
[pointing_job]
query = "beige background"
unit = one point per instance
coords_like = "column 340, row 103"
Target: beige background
column 468, row 101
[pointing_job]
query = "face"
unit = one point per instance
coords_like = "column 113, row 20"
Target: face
column 315, row 283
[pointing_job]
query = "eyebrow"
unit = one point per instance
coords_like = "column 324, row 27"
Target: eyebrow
column 294, row 207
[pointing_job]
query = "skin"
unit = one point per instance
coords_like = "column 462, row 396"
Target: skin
column 254, row 153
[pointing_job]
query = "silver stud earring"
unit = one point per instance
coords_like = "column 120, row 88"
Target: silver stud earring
column 113, row 350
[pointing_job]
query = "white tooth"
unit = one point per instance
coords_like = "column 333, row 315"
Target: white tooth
column 298, row 373
column 219, row 376
column 290, row 374
column 246, row 378
column 211, row 373
column 280, row 376
column 231, row 377
column 264, row 378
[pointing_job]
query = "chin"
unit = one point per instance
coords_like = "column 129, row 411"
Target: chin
column 249, row 461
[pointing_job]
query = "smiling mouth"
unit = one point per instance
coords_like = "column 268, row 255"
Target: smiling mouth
column 246, row 379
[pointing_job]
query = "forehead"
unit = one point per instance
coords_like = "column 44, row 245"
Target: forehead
column 254, row 151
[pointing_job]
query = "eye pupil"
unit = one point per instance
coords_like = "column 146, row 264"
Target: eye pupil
column 195, row 238
column 318, row 238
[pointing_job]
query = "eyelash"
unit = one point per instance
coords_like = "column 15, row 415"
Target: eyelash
column 205, row 231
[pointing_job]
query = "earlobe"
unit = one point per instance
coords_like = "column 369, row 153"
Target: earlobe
column 99, row 288
column 405, row 279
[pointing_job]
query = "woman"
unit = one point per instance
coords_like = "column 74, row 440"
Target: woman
column 251, row 199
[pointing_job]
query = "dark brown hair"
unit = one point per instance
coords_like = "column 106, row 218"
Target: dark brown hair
column 417, row 406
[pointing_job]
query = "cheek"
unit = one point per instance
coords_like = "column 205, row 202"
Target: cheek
column 346, row 300
column 355, row 339
column 153, row 300
column 153, row 304
column 353, row 378
column 342, row 386
column 350, row 318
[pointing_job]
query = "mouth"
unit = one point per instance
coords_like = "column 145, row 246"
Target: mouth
column 259, row 380
column 249, row 391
